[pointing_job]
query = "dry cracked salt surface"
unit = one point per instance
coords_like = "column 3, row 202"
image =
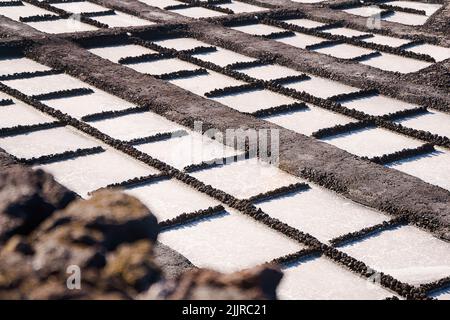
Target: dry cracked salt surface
column 228, row 242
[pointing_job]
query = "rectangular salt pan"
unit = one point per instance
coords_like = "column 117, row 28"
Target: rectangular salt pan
column 308, row 1
column 378, row 105
column 305, row 23
column 372, row 142
column 344, row 51
column 394, row 63
column 318, row 278
column 406, row 18
column 432, row 168
column 136, row 125
column 228, row 242
column 18, row 65
column 45, row 84
column 258, row 29
column 433, row 121
column 21, row 114
column 321, row 213
column 181, row 43
column 198, row 12
column 223, row 57
column 204, row 83
column 429, row 8
column 180, row 152
column 61, row 26
column 80, row 7
column 115, row 53
column 346, row 32
column 309, row 120
column 437, row 52
column 386, row 41
column 45, row 142
column 246, row 178
column 241, row 7
column 83, row 105
column 364, row 11
column 89, row 173
column 122, row 20
column 406, row 253
column 27, row 10
column 168, row 199
column 321, row 87
column 251, row 101
column 160, row 3
column 158, row 67
column 301, row 40
column 269, row 72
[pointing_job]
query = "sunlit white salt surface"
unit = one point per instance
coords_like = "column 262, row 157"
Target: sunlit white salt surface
column 433, row 167
column 27, row 10
column 318, row 278
column 269, row 72
column 437, row 52
column 22, row 114
column 80, row 7
column 115, row 53
column 158, row 67
column 160, row 3
column 168, row 199
column 181, row 43
column 378, row 105
column 406, row 253
column 17, row 65
column 347, row 32
column 121, row 19
column 429, row 8
column 186, row 150
column 321, row 213
column 301, row 40
column 89, row 173
column 305, row 23
column 258, row 29
column 136, row 125
column 241, row 7
column 406, row 18
column 344, row 51
column 372, row 142
column 364, row 11
column 223, row 57
column 61, row 26
column 83, row 105
column 434, row 121
column 204, row 83
column 309, row 120
column 321, row 87
column 45, row 84
column 251, row 101
column 386, row 41
column 308, row 1
column 198, row 12
column 245, row 178
column 45, row 142
column 228, row 242
column 443, row 294
column 392, row 62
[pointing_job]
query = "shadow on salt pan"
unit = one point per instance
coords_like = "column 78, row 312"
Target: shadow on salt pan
column 433, row 121
column 378, row 105
column 443, row 294
column 228, row 242
column 406, row 253
column 115, row 53
column 318, row 278
column 223, row 57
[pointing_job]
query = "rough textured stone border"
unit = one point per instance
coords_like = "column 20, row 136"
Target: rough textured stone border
column 186, row 218
column 292, row 188
column 21, row 129
column 57, row 157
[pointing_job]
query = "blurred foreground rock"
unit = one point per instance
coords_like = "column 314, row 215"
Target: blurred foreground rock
column 50, row 238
